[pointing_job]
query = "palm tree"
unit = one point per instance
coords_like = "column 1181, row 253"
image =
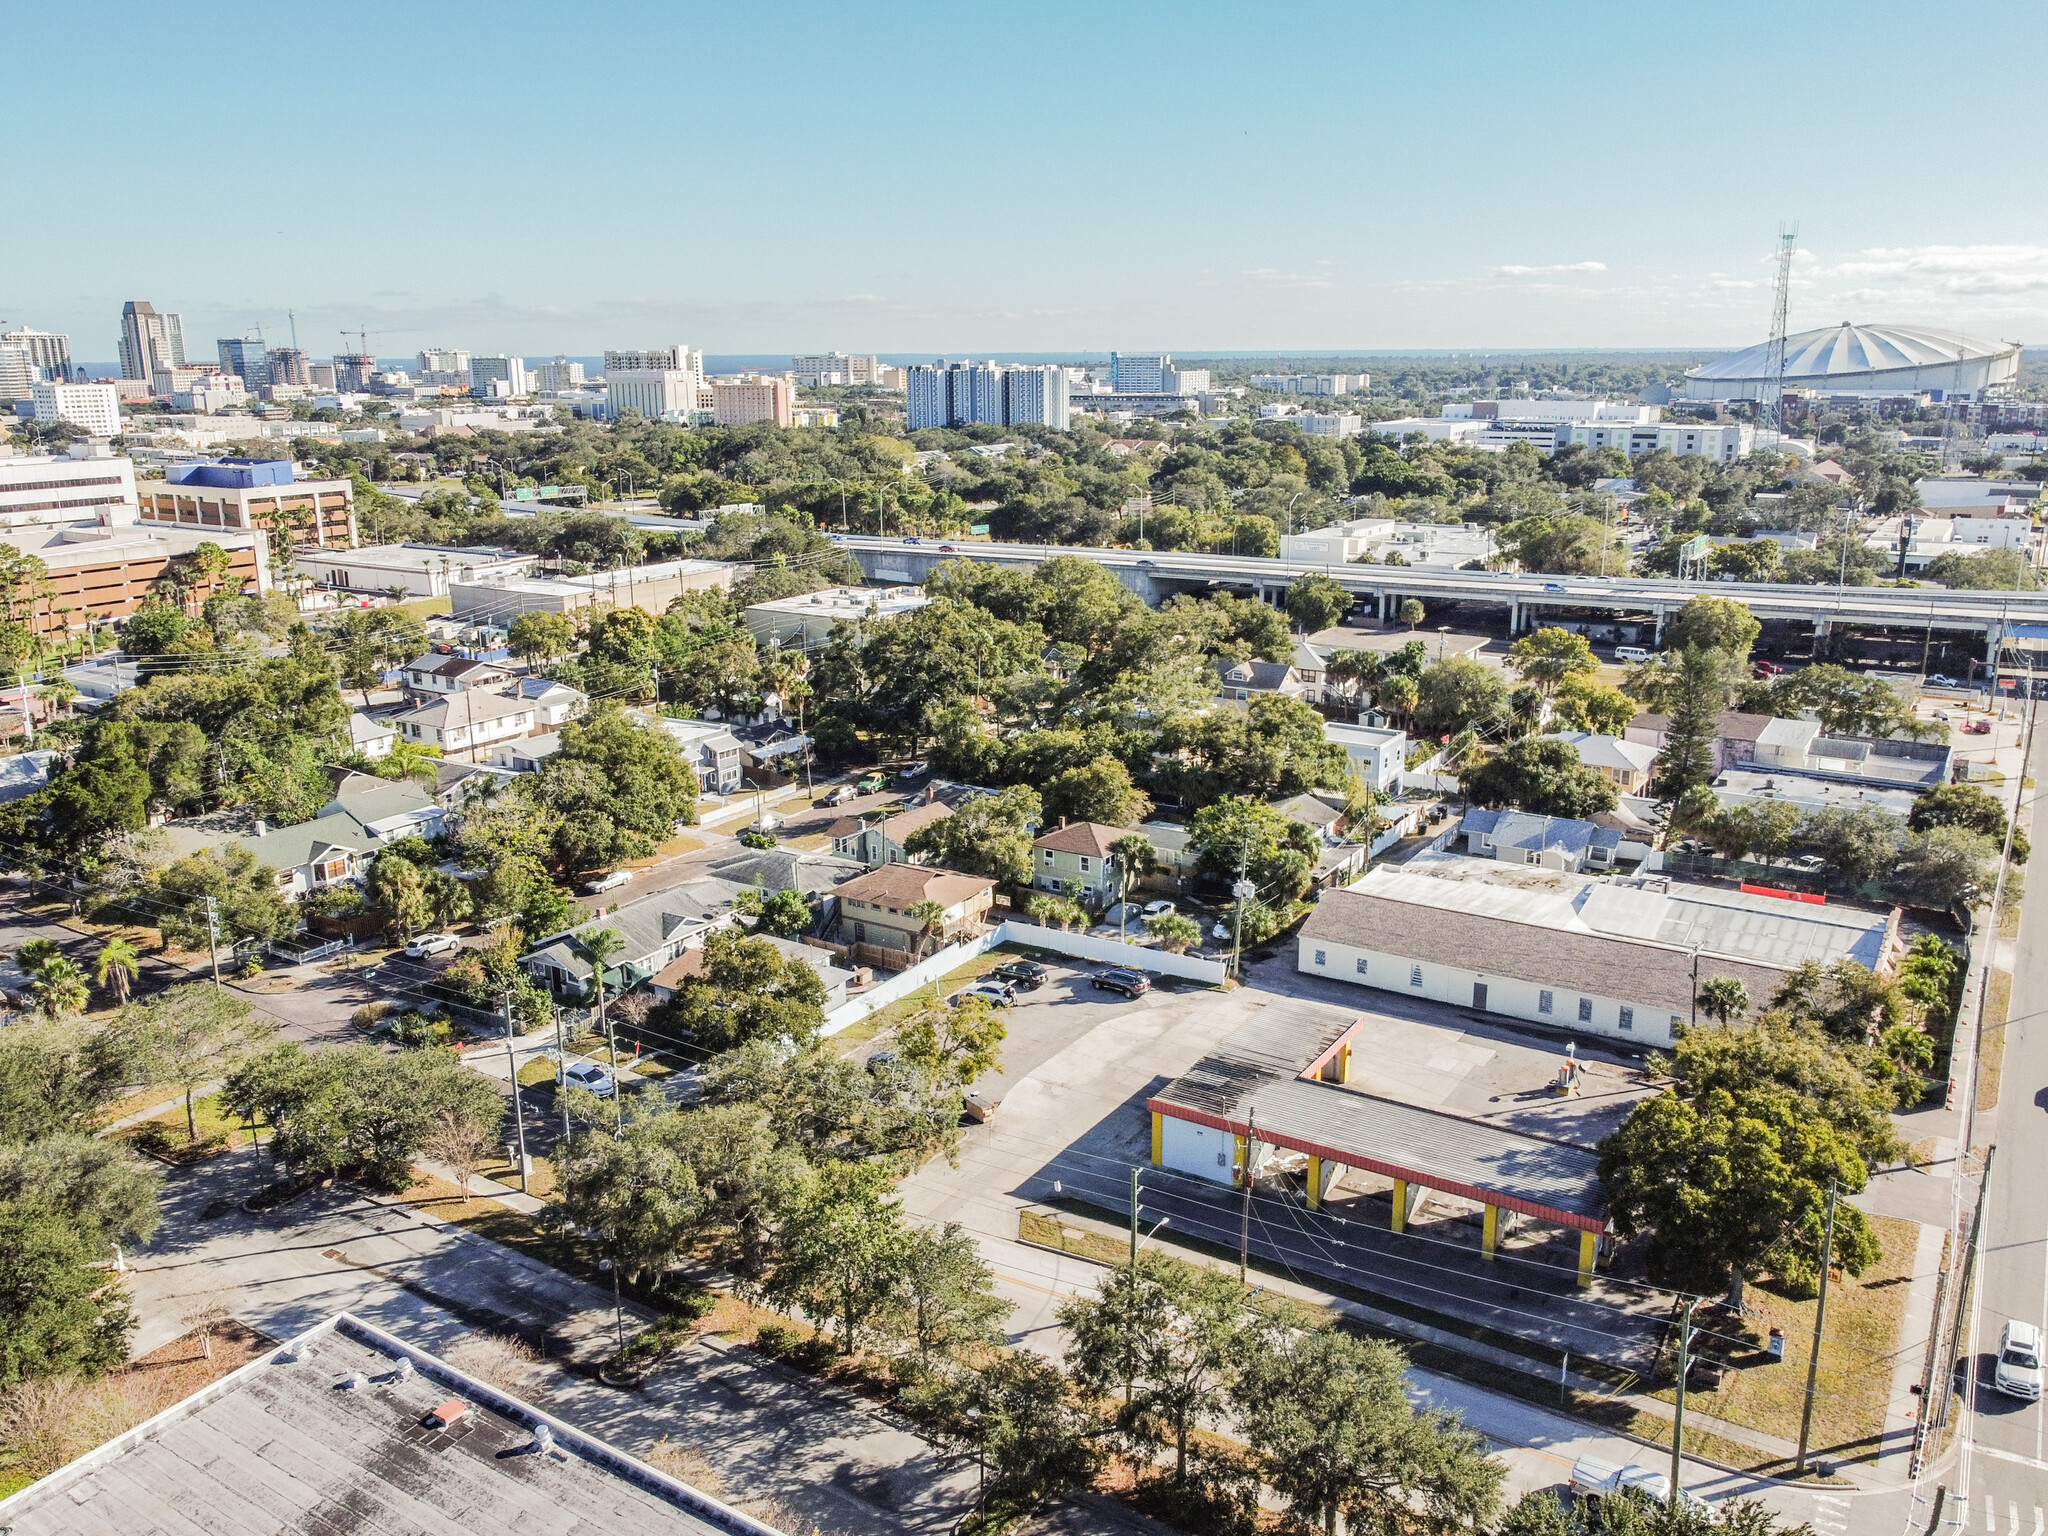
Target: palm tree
column 1363, row 668
column 598, row 947
column 1723, row 998
column 1398, row 696
column 410, row 760
column 117, row 966
column 928, row 915
column 58, row 987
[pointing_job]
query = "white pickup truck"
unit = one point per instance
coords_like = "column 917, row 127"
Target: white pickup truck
column 1594, row 1478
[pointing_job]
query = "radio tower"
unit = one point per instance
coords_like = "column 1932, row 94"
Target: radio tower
column 1771, row 411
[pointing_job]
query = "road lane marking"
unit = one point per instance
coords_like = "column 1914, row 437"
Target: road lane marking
column 2012, row 1456
column 1990, row 1515
column 2012, row 1513
column 2037, row 1520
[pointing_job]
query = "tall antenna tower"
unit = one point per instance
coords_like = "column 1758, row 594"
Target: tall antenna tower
column 1771, row 411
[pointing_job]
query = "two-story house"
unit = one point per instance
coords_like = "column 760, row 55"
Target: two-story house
column 463, row 724
column 711, row 748
column 876, row 907
column 1075, row 859
column 883, row 842
column 439, row 674
column 554, row 704
column 1627, row 765
column 1239, row 680
column 339, row 843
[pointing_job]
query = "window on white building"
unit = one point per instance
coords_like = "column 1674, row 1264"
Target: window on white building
column 1585, row 1010
column 1319, row 958
column 1414, row 975
column 1361, row 965
column 1543, row 1002
column 1628, row 1018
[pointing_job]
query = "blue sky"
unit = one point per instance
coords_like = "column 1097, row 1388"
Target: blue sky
column 962, row 177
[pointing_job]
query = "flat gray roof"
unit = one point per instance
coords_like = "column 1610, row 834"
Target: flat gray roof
column 1256, row 1073
column 284, row 1445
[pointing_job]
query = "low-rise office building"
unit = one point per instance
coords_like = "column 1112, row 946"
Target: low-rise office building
column 95, row 407
column 650, row 588
column 253, row 494
column 810, row 618
column 423, row 570
column 87, row 483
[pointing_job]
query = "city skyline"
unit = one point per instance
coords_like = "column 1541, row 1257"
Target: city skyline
column 1484, row 179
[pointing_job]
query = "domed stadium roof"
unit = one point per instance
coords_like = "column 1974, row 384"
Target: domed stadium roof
column 1812, row 358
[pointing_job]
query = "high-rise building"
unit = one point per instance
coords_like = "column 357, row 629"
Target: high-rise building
column 499, row 377
column 558, row 375
column 17, row 374
column 353, row 372
column 659, row 360
column 1138, row 375
column 762, row 397
column 658, row 394
column 442, row 360
column 288, row 365
column 94, row 407
column 956, row 394
column 246, row 359
column 149, row 341
column 48, row 353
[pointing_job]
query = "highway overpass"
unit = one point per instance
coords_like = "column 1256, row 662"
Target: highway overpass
column 1529, row 600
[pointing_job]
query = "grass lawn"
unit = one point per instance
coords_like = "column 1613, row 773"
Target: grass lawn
column 505, row 1173
column 1864, row 1314
column 424, row 608
column 1992, row 1068
column 884, row 1020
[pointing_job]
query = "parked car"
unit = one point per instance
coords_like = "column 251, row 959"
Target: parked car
column 1028, row 974
column 2018, row 1372
column 432, row 944
column 588, row 1074
column 1594, row 1478
column 916, row 770
column 1121, row 978
column 994, row 993
column 610, row 882
column 1764, row 671
column 1939, row 681
column 1977, row 728
column 880, row 1063
column 1159, row 909
column 874, row 783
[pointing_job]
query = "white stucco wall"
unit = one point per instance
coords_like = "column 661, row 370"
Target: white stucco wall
column 1186, row 1147
column 1512, row 998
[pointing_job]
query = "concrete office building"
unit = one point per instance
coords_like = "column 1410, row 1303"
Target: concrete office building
column 149, row 341
column 499, row 377
column 48, row 355
column 95, row 407
column 745, row 401
column 86, row 483
column 246, row 360
column 424, row 570
column 650, row 588
column 657, row 360
column 834, row 368
column 250, row 494
column 810, row 618
column 446, row 362
column 1330, row 423
column 658, row 394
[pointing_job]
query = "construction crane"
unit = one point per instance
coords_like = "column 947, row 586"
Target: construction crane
column 1771, row 412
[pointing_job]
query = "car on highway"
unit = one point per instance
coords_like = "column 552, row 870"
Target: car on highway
column 588, row 1074
column 432, row 944
column 1159, row 909
column 1121, row 978
column 2018, row 1372
column 994, row 993
column 1555, row 586
column 913, row 539
column 1028, row 974
column 947, row 549
column 610, row 882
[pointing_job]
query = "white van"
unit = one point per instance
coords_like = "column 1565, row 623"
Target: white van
column 1631, row 653
column 2018, row 1372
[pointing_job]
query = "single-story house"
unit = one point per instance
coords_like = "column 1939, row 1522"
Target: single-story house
column 774, row 870
column 883, row 842
column 337, row 845
column 526, row 754
column 875, row 909
column 670, row 978
column 1625, row 764
column 1548, row 842
column 657, row 929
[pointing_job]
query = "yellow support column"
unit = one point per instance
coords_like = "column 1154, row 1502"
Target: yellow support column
column 1491, row 1232
column 1589, row 1245
column 1400, row 1205
column 1344, row 1063
column 1158, row 1139
column 1315, row 1182
column 1237, row 1161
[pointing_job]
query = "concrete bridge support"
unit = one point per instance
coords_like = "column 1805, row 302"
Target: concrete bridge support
column 1823, row 630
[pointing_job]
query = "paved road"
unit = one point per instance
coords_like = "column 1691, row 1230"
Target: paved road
column 2005, row 1466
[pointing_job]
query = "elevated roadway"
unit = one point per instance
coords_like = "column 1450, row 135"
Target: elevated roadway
column 1530, row 600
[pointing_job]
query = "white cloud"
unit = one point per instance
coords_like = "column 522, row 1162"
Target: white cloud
column 1995, row 280
column 1549, row 271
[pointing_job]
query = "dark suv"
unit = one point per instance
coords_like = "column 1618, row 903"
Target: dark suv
column 1028, row 974
column 1122, row 979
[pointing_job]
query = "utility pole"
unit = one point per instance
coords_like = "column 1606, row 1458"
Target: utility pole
column 1244, row 1228
column 1963, row 1290
column 518, row 1104
column 212, row 951
column 561, row 1067
column 1243, row 890
column 1678, row 1413
column 1820, row 1316
column 1134, row 1218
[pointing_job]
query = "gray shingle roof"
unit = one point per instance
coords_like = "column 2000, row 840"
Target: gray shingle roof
column 1519, row 829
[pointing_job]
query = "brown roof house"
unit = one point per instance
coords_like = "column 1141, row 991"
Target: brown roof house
column 876, row 843
column 876, row 908
column 1075, row 859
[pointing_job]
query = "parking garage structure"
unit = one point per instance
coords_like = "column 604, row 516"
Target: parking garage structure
column 1285, row 1082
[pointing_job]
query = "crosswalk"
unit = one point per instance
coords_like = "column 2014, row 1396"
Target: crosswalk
column 1830, row 1514
column 2013, row 1520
